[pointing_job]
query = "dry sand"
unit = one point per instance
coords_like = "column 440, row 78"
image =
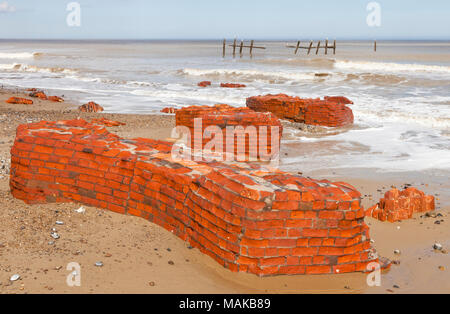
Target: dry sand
column 140, row 257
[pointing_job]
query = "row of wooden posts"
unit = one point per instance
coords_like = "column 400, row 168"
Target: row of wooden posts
column 311, row 47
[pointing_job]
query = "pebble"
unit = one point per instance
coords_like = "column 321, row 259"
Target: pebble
column 55, row 235
column 437, row 247
column 171, row 263
column 81, row 210
column 397, row 252
column 151, row 284
column 441, row 268
column 14, row 277
column 60, row 223
column 99, row 264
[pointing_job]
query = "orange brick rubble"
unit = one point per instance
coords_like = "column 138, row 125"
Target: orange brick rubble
column 204, row 84
column 249, row 219
column 41, row 95
column 55, row 99
column 169, row 110
column 107, row 122
column 19, row 101
column 91, row 107
column 232, row 85
column 396, row 205
column 331, row 112
column 38, row 94
column 224, row 116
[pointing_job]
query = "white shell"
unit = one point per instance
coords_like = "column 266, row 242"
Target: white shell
column 14, row 277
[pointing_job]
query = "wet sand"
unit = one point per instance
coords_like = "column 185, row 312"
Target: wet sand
column 140, row 257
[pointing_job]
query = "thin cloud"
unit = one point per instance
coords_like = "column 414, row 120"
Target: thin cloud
column 5, row 7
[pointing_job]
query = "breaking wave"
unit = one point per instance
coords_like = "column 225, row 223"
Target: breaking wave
column 390, row 67
column 19, row 55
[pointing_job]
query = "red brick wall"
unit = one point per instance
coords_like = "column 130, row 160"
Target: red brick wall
column 225, row 116
column 331, row 112
column 248, row 219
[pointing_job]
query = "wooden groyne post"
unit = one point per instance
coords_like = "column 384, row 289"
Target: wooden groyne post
column 311, row 46
column 242, row 46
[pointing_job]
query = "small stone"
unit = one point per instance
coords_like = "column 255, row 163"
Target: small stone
column 396, row 287
column 437, row 247
column 60, row 223
column 55, row 235
column 151, row 284
column 14, row 277
column 171, row 263
column 81, row 210
column 441, row 268
column 108, row 255
column 397, row 252
column 99, row 264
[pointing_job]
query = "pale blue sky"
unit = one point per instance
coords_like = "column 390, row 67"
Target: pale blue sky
column 213, row 19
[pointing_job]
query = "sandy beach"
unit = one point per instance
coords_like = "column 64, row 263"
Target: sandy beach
column 140, row 257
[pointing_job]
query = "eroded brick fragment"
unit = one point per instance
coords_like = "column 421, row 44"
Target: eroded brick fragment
column 204, row 84
column 232, row 85
column 331, row 112
column 401, row 205
column 91, row 107
column 19, row 101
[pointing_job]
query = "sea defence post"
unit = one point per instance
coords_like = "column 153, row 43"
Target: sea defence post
column 246, row 217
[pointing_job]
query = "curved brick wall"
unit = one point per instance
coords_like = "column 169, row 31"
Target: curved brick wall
column 331, row 112
column 225, row 116
column 248, row 219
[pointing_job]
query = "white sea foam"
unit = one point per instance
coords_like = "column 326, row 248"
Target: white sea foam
column 18, row 55
column 251, row 75
column 19, row 67
column 390, row 67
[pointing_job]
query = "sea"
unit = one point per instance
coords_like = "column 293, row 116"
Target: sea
column 401, row 92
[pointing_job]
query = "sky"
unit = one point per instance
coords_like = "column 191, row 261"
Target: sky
column 216, row 19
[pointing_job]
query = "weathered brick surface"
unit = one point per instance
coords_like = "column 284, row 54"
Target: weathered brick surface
column 224, row 116
column 247, row 218
column 107, row 122
column 331, row 112
column 169, row 110
column 396, row 205
column 204, row 84
column 232, row 85
column 91, row 107
column 19, row 100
